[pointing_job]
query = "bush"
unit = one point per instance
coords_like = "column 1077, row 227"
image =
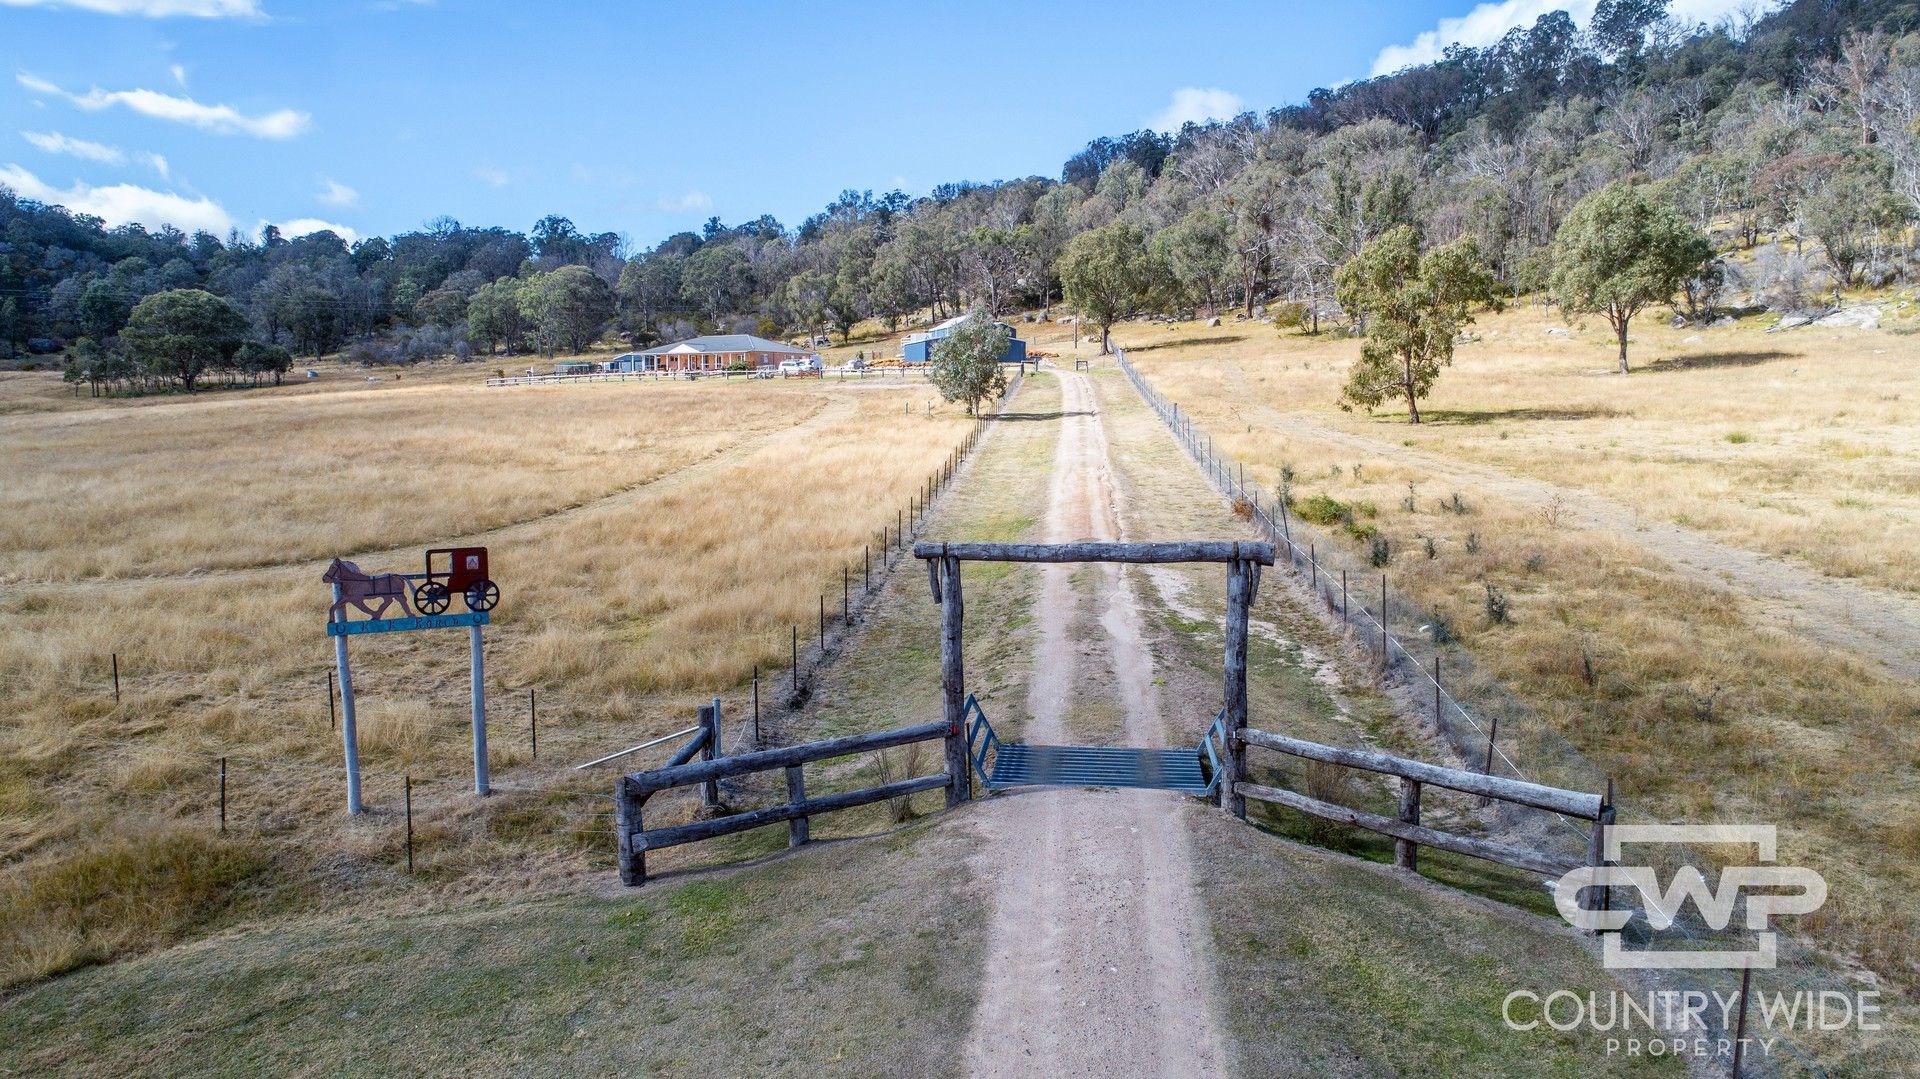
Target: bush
column 1322, row 509
column 1499, row 608
column 1288, row 315
column 1379, row 554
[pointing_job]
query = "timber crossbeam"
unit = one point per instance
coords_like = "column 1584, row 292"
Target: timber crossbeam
column 1257, row 551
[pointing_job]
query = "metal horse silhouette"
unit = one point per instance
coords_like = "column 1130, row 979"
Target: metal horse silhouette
column 372, row 593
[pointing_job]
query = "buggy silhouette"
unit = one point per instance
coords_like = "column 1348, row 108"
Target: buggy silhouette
column 455, row 569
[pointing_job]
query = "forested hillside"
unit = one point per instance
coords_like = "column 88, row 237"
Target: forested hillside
column 1792, row 138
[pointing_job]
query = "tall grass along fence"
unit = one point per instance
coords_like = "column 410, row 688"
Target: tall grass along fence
column 1486, row 725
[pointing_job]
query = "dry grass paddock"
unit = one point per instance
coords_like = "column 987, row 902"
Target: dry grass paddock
column 653, row 543
column 1701, row 706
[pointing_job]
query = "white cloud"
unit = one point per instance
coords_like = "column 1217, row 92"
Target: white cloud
column 492, row 176
column 692, row 200
column 302, row 226
column 179, row 73
column 335, row 193
column 1198, row 104
column 220, row 119
column 1488, row 23
column 118, row 204
column 152, row 9
column 156, row 163
column 55, row 143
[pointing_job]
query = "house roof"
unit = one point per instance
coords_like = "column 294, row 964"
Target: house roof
column 945, row 329
column 935, row 333
column 723, row 342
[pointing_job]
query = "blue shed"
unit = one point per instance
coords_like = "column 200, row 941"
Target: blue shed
column 918, row 347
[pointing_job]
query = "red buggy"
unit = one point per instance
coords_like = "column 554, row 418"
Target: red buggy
column 455, row 569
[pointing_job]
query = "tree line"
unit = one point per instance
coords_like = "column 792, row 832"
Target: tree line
column 1795, row 137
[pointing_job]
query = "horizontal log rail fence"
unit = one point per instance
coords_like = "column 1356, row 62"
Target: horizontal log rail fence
column 632, row 791
column 1405, row 828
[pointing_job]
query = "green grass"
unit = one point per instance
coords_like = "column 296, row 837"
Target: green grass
column 848, row 958
column 1335, row 967
column 124, row 893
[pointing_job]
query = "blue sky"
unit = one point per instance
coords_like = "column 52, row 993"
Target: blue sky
column 641, row 118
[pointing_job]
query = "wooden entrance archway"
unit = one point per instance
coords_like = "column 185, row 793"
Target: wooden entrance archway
column 1243, row 560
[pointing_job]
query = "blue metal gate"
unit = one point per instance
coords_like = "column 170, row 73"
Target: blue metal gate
column 1194, row 770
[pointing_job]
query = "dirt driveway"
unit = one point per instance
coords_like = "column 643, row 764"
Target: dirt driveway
column 1099, row 964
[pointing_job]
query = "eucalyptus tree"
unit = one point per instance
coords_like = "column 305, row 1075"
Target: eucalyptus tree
column 1620, row 252
column 1415, row 305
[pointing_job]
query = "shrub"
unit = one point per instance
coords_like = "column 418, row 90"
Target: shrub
column 1322, row 509
column 1499, row 609
column 1441, row 629
column 1288, row 315
column 1378, row 552
column 1473, row 543
column 1739, row 438
column 1432, row 548
column 905, row 762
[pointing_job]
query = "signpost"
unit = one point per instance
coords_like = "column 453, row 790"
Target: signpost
column 462, row 571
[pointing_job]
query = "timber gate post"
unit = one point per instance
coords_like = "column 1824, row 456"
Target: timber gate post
column 626, row 824
column 1600, row 897
column 953, row 680
column 1243, row 576
column 710, row 719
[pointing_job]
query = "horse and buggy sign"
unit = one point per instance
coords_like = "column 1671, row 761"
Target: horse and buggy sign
column 422, row 601
column 450, row 571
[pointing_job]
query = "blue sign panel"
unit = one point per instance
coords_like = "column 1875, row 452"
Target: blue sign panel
column 396, row 625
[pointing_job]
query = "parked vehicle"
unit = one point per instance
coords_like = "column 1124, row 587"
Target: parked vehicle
column 798, row 368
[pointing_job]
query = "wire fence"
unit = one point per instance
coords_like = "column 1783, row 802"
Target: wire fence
column 1492, row 730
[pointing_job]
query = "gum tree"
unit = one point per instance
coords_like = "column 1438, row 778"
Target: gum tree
column 966, row 363
column 181, row 333
column 1107, row 273
column 1620, row 252
column 1414, row 306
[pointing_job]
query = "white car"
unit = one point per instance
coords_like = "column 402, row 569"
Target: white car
column 798, row 367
